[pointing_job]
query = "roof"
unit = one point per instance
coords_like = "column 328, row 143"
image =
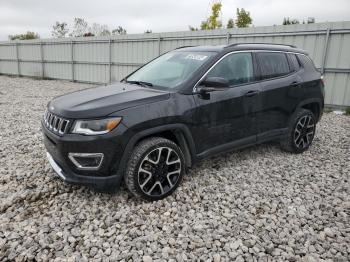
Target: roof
column 245, row 46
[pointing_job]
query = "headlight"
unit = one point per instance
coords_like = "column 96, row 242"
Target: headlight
column 95, row 127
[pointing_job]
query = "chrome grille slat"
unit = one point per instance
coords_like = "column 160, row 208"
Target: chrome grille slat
column 48, row 119
column 65, row 126
column 51, row 121
column 58, row 123
column 60, row 126
column 55, row 123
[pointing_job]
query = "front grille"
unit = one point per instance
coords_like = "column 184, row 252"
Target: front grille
column 55, row 123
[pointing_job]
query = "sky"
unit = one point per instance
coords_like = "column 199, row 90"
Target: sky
column 137, row 16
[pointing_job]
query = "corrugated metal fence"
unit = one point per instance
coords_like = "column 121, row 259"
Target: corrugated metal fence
column 102, row 60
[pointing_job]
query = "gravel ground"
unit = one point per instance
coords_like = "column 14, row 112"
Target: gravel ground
column 254, row 204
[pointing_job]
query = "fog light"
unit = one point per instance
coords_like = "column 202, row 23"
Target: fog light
column 87, row 161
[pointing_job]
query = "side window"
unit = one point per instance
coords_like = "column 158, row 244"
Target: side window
column 306, row 62
column 236, row 68
column 295, row 62
column 273, row 64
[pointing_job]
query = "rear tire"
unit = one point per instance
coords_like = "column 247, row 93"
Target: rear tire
column 301, row 132
column 155, row 169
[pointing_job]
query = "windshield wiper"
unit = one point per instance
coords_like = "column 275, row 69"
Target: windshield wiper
column 140, row 83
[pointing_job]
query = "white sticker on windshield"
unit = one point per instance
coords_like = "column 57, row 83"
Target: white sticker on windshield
column 196, row 57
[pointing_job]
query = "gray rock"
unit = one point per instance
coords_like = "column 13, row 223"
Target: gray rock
column 235, row 245
column 216, row 258
column 329, row 232
column 93, row 251
column 147, row 259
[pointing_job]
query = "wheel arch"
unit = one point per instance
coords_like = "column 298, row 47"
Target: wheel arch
column 178, row 133
column 315, row 105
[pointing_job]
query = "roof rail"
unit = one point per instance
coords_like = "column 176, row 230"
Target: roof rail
column 184, row 46
column 293, row 46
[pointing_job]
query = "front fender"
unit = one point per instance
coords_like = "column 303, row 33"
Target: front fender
column 182, row 133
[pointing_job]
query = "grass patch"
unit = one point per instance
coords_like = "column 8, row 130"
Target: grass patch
column 327, row 110
column 347, row 111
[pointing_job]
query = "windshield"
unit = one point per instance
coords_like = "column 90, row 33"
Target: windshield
column 170, row 70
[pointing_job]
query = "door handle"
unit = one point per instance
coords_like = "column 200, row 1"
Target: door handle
column 252, row 93
column 295, row 84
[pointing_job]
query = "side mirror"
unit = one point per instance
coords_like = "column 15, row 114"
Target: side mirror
column 211, row 84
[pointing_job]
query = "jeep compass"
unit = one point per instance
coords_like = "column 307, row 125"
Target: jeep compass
column 184, row 106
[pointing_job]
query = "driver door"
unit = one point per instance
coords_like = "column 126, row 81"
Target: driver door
column 226, row 119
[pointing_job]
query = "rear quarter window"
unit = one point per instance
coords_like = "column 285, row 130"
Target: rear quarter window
column 306, row 62
column 273, row 64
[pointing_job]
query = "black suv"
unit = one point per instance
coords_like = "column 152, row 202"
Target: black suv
column 186, row 105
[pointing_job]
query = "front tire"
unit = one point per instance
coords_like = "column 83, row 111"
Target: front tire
column 155, row 169
column 301, row 132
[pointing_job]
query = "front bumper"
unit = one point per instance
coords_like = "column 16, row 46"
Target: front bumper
column 110, row 145
column 71, row 178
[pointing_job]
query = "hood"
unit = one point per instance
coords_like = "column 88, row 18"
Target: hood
column 104, row 100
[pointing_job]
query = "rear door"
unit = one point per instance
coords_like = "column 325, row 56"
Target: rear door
column 280, row 92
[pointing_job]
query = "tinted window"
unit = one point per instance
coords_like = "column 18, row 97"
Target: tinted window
column 236, row 68
column 306, row 62
column 294, row 61
column 273, row 64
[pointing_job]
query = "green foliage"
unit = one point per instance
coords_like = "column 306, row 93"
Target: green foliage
column 243, row 18
column 288, row 21
column 230, row 23
column 204, row 25
column 59, row 30
column 213, row 21
column 327, row 110
column 347, row 111
column 119, row 31
column 27, row 36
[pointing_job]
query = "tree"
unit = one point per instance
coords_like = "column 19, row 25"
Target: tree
column 230, row 23
column 243, row 18
column 59, row 30
column 99, row 30
column 27, row 36
column 119, row 31
column 88, row 34
column 204, row 25
column 287, row 21
column 311, row 20
column 80, row 27
column 212, row 22
column 192, row 28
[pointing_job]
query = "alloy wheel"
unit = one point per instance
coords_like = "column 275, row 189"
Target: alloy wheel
column 304, row 132
column 159, row 171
